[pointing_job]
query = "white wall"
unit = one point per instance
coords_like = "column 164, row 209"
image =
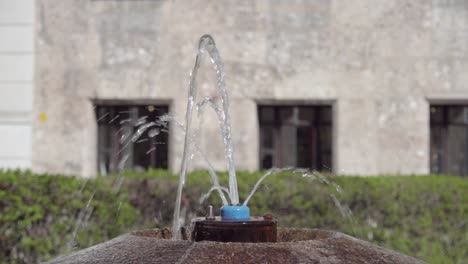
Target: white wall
column 16, row 80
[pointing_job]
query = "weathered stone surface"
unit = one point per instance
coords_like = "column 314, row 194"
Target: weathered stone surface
column 295, row 246
column 380, row 63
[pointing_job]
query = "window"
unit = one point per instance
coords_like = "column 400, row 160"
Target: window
column 299, row 136
column 131, row 138
column 449, row 139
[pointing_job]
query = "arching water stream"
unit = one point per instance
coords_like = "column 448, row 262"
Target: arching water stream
column 207, row 47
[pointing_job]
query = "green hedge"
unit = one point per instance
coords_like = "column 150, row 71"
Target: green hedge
column 42, row 216
column 39, row 215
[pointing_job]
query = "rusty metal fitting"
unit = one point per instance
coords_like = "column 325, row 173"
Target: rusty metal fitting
column 268, row 217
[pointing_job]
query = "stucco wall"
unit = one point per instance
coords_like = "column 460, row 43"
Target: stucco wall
column 378, row 62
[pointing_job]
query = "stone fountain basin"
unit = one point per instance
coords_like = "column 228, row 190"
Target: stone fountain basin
column 293, row 246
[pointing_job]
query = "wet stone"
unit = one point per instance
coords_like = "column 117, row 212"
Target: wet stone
column 293, row 246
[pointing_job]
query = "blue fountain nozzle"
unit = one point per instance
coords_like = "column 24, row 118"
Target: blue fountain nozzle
column 235, row 213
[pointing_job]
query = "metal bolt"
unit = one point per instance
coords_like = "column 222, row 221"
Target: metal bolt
column 210, row 215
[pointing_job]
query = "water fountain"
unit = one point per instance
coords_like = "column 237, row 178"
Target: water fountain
column 250, row 239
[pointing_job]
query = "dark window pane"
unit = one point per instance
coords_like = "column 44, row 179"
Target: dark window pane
column 326, row 162
column 437, row 114
column 266, row 136
column 456, row 115
column 456, row 150
column 436, row 149
column 285, row 114
column 325, row 114
column 267, row 161
column 305, row 147
column 449, row 140
column 267, row 114
column 307, row 115
column 325, row 140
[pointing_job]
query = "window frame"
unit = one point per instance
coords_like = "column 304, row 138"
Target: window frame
column 443, row 150
column 317, row 125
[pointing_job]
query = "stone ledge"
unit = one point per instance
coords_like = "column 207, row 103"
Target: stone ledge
column 295, row 246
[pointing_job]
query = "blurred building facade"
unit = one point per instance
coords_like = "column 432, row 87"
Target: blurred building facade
column 16, row 82
column 355, row 87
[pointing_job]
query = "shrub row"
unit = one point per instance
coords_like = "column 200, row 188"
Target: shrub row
column 42, row 216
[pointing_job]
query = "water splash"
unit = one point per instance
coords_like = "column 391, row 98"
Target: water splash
column 143, row 127
column 154, row 132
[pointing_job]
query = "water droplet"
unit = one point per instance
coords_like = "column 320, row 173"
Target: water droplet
column 153, row 132
column 125, row 121
column 141, row 130
column 113, row 119
column 124, row 137
column 103, row 116
column 141, row 121
column 151, row 150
